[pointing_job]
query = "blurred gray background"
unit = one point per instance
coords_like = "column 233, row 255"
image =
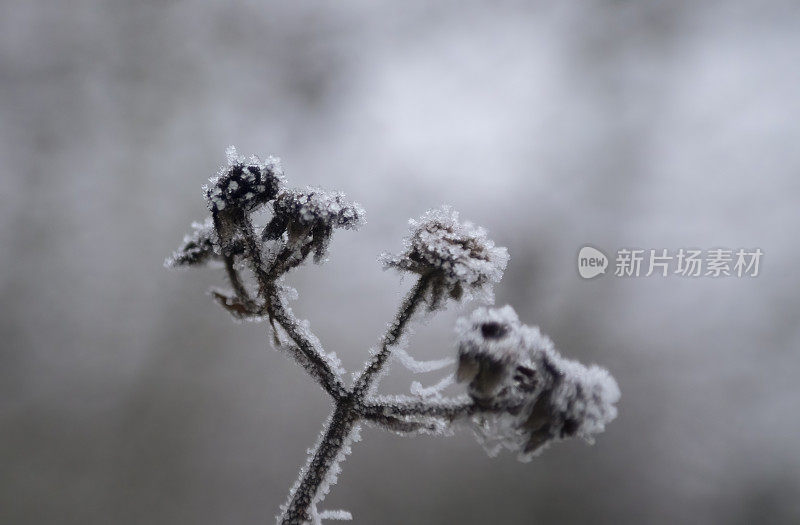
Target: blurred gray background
column 127, row 396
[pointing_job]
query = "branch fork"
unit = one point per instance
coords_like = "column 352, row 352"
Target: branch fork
column 521, row 394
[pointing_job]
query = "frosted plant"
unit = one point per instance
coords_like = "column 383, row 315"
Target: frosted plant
column 456, row 257
column 505, row 361
column 198, row 247
column 520, row 393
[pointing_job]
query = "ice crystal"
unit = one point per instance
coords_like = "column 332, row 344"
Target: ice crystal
column 459, row 257
column 336, row 515
column 504, row 359
column 490, row 346
column 521, row 394
column 198, row 248
column 244, row 184
column 312, row 214
column 433, row 390
column 418, row 367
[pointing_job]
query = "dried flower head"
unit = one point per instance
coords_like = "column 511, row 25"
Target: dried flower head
column 457, row 255
column 580, row 401
column 489, row 349
column 243, row 185
column 309, row 217
column 198, row 247
column 522, row 394
column 557, row 398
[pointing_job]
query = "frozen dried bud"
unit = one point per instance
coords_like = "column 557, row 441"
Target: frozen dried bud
column 579, row 401
column 505, row 360
column 244, row 184
column 198, row 247
column 310, row 216
column 458, row 255
column 489, row 349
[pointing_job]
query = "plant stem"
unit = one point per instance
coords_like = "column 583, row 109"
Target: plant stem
column 349, row 403
column 348, row 412
column 256, row 259
column 328, row 453
column 450, row 409
column 236, row 280
column 320, row 367
column 407, row 308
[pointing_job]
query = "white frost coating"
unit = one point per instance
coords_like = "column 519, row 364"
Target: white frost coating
column 503, row 359
column 199, row 247
column 289, row 293
column 308, row 218
column 464, row 260
column 303, row 470
column 232, row 156
column 317, row 207
column 418, row 367
column 332, row 476
column 587, row 395
column 497, row 432
column 336, row 515
column 521, row 395
column 495, row 333
column 243, row 184
column 333, row 361
column 434, row 390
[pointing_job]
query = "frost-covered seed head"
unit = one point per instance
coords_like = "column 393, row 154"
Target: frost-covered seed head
column 243, row 184
column 488, row 350
column 314, row 207
column 580, row 402
column 504, row 359
column 198, row 247
column 313, row 213
column 524, row 395
column 458, row 254
column 493, row 330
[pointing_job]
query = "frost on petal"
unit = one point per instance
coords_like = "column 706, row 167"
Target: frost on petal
column 461, row 259
column 243, row 184
column 308, row 218
column 580, row 403
column 315, row 208
column 502, row 359
column 490, row 344
column 198, row 248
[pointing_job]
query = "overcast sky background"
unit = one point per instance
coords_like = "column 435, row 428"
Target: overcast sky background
column 128, row 396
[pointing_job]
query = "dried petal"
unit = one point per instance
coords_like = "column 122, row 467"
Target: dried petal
column 466, row 261
column 242, row 185
column 502, row 358
column 198, row 248
column 310, row 216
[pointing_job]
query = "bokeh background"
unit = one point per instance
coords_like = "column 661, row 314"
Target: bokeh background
column 127, row 396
